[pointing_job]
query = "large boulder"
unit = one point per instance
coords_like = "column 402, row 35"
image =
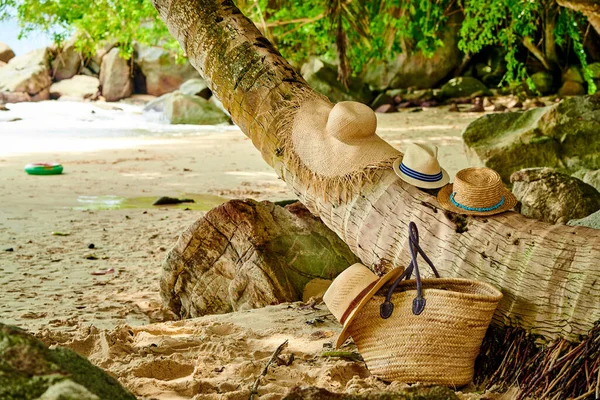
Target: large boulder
column 591, row 177
column 414, row 69
column 29, row 73
column 550, row 196
column 115, row 76
column 162, row 71
column 323, row 77
column 463, row 86
column 591, row 221
column 245, row 254
column 79, row 87
column 179, row 108
column 196, row 87
column 564, row 135
column 6, row 52
column 67, row 62
column 29, row 370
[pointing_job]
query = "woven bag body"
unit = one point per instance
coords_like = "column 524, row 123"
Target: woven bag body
column 438, row 346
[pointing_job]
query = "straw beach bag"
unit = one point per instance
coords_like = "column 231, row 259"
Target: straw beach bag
column 425, row 330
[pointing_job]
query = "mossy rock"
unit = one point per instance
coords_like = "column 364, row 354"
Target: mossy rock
column 573, row 74
column 563, row 136
column 543, row 81
column 181, row 108
column 595, row 68
column 28, row 368
column 463, row 86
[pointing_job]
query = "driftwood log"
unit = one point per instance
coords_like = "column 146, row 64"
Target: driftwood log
column 549, row 274
column 244, row 254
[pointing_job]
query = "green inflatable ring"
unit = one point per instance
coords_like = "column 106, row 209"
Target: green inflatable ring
column 44, row 169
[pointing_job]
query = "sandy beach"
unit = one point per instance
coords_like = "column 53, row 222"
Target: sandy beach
column 81, row 253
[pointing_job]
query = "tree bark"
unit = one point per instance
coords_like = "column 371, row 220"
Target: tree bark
column 549, row 274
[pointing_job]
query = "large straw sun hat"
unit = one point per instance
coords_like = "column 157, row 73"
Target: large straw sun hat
column 339, row 140
column 350, row 291
column 476, row 191
column 420, row 167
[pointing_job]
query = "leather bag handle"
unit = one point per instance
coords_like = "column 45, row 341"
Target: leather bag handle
column 387, row 307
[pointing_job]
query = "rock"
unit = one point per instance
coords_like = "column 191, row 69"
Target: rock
column 416, row 392
column 163, row 74
column 214, row 100
column 115, row 76
column 381, row 100
column 595, row 70
column 514, row 104
column 68, row 390
column 165, row 200
column 245, row 254
column 29, row 73
column 553, row 197
column 477, row 105
column 29, row 369
column 413, row 69
column 573, row 74
column 322, row 77
column 315, row 289
column 591, row 221
column 14, row 97
column 196, row 87
column 180, row 108
column 544, row 83
column 563, row 135
column 571, row 88
column 78, row 87
column 6, row 53
column 67, row 62
column 386, row 109
column 463, row 87
column 590, row 177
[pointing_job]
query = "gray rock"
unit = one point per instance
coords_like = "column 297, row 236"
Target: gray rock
column 591, row 221
column 463, row 86
column 551, row 196
column 543, row 81
column 196, row 87
column 6, row 52
column 591, row 177
column 79, row 87
column 413, row 69
column 162, row 72
column 180, row 108
column 564, row 135
column 571, row 88
column 115, row 76
column 322, row 77
column 381, row 100
column 67, row 390
column 29, row 73
column 67, row 62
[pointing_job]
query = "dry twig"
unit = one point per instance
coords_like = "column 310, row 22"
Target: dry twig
column 266, row 369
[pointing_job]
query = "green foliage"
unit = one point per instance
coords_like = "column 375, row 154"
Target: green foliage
column 351, row 33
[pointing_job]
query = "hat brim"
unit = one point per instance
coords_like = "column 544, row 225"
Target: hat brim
column 418, row 183
column 390, row 276
column 444, row 199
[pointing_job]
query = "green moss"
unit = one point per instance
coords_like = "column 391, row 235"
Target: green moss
column 28, row 368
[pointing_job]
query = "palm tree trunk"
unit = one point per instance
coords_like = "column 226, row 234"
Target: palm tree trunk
column 549, row 274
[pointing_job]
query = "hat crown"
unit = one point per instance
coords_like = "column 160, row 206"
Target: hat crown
column 422, row 158
column 346, row 287
column 478, row 187
column 351, row 120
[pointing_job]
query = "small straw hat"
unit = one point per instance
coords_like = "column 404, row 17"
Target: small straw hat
column 336, row 141
column 350, row 291
column 420, row 167
column 476, row 191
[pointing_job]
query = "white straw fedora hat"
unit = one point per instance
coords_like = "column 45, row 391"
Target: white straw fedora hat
column 476, row 191
column 350, row 291
column 339, row 140
column 420, row 167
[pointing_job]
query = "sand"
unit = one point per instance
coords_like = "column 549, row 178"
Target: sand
column 100, row 300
